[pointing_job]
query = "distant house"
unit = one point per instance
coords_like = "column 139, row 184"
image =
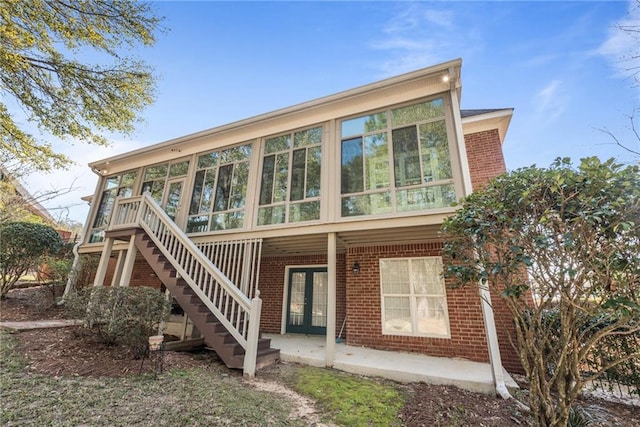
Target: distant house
column 311, row 217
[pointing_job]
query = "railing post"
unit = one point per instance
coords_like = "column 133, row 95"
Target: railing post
column 253, row 334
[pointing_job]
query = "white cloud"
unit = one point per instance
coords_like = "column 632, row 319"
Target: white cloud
column 550, row 103
column 420, row 35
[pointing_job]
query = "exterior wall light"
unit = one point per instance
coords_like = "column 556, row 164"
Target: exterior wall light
column 355, row 268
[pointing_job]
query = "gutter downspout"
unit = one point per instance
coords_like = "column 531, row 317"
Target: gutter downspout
column 492, row 341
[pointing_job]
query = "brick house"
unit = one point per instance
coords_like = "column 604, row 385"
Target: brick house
column 321, row 218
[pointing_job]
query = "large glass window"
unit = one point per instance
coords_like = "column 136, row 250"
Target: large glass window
column 414, row 298
column 155, row 177
column 114, row 186
column 220, row 190
column 397, row 160
column 290, row 190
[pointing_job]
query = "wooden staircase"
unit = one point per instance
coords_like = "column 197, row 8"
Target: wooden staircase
column 216, row 336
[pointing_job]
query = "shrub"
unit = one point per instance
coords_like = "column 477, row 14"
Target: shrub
column 22, row 246
column 121, row 315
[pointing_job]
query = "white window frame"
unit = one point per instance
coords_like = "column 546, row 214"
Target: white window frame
column 413, row 301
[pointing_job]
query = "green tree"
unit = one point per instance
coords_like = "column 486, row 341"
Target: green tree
column 40, row 43
column 22, row 247
column 561, row 248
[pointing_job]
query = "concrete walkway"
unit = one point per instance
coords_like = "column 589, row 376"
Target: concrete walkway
column 38, row 324
column 397, row 366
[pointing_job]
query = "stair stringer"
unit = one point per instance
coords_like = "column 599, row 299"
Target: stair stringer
column 216, row 336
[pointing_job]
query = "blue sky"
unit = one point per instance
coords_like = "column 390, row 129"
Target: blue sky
column 556, row 63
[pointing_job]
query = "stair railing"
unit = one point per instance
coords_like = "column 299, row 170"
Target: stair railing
column 239, row 314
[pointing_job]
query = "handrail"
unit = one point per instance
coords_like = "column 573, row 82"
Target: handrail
column 232, row 308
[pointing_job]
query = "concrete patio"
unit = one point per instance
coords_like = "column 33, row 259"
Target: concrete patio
column 397, row 366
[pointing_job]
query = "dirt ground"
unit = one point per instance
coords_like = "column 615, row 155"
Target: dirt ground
column 74, row 351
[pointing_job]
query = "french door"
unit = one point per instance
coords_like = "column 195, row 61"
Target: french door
column 307, row 301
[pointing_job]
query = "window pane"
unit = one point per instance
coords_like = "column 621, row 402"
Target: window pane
column 394, row 276
column 111, row 182
column 307, row 137
column 306, row 211
column 314, row 161
column 236, row 154
column 96, row 236
column 406, row 156
column 198, row 224
column 426, row 276
column 377, row 160
column 267, row 180
column 281, row 179
column 271, row 215
column 364, row 124
column 128, row 179
column 153, row 172
column 431, row 316
column 367, row 204
column 239, row 185
column 439, row 196
column 352, row 170
column 106, row 205
column 178, row 169
column 223, row 189
column 417, row 113
column 279, row 143
column 435, row 151
column 227, row 221
column 207, row 190
column 397, row 315
column 298, row 174
column 197, row 193
column 207, row 160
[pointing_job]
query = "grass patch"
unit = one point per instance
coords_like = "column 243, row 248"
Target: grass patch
column 351, row 400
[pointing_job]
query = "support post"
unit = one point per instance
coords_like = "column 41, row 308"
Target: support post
column 253, row 334
column 331, row 299
column 129, row 261
column 117, row 274
column 104, row 262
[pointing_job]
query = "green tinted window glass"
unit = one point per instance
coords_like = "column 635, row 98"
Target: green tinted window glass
column 305, row 211
column 267, row 179
column 153, row 172
column 207, row 160
column 417, row 113
column 178, row 169
column 352, row 166
column 279, row 143
column 298, row 174
column 281, row 180
column 307, row 137
column 236, row 154
column 314, row 161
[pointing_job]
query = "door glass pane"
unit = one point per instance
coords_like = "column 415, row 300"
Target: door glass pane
column 296, row 306
column 173, row 199
column 319, row 306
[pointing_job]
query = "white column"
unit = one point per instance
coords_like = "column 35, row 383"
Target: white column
column 129, row 261
column 104, row 262
column 331, row 299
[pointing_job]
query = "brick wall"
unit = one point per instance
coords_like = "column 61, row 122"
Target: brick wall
column 364, row 318
column 142, row 274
